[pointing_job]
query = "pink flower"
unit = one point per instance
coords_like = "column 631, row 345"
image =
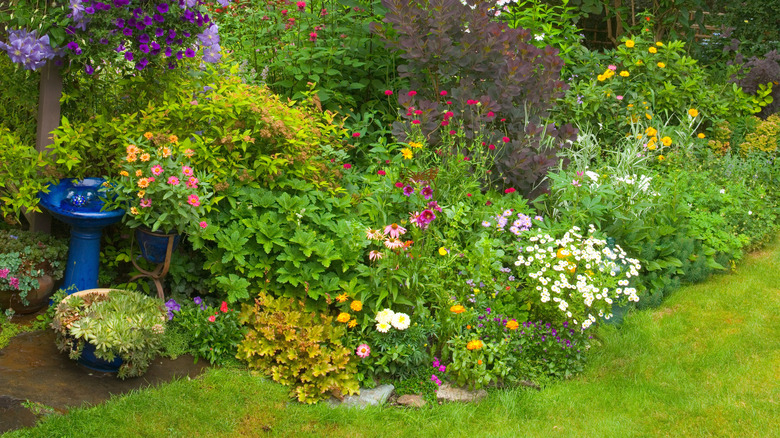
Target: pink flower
column 408, row 190
column 151, row 179
column 442, row 93
column 388, row 92
column 491, row 114
column 468, row 194
column 4, row 273
column 301, row 5
column 471, row 102
column 203, row 224
column 449, row 102
column 356, row 134
column 575, row 183
column 173, row 181
column 212, row 318
column 146, row 202
column 284, row 12
column 193, row 200
column 393, row 243
column 427, row 192
column 347, row 166
column 427, row 216
column 619, row 97
column 444, row 123
column 363, row 351
column 492, row 147
column 224, row 307
column 510, row 190
column 612, row 67
column 399, row 184
column 313, row 36
column 375, row 255
column 394, row 230
column 186, row 170
column 157, row 170
column 412, row 93
column 505, row 139
column 381, row 172
column 415, row 122
column 452, row 132
column 14, row 282
column 192, row 182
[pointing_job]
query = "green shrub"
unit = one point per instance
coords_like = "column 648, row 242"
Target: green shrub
column 300, row 349
column 210, row 333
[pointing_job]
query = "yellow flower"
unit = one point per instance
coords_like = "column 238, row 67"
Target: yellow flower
column 624, row 73
column 148, row 135
column 562, row 253
column 415, row 145
column 639, row 62
column 476, row 291
column 356, row 305
column 601, row 78
column 352, row 323
column 143, row 183
column 457, row 309
column 651, row 146
column 701, row 135
column 474, row 345
column 139, row 172
column 142, row 193
column 666, row 141
column 341, row 298
column 572, row 267
column 609, row 73
column 659, row 44
column 407, row 153
column 661, row 65
column 124, row 173
column 650, row 131
column 649, row 117
column 512, row 325
column 442, row 251
column 693, row 112
column 661, row 158
column 145, row 157
column 343, row 317
column 630, row 44
column 133, row 210
column 652, row 50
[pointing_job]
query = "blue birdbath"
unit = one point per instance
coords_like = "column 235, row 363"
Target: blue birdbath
column 76, row 203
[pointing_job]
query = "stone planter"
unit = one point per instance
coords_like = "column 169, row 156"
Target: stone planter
column 37, row 299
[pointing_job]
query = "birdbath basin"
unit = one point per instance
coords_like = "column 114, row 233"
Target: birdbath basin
column 76, row 202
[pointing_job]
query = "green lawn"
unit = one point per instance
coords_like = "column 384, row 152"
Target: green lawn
column 706, row 363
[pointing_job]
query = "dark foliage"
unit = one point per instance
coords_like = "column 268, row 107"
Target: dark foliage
column 761, row 71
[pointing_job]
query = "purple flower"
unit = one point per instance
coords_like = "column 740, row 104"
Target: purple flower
column 147, row 20
column 223, row 3
column 27, row 49
column 408, row 190
column 427, row 192
column 4, row 273
column 159, row 18
column 129, row 56
column 89, row 10
column 14, row 282
column 189, row 53
column 127, row 31
column 172, row 305
column 162, row 8
column 211, row 54
column 88, row 69
column 210, row 36
column 168, row 51
column 144, row 48
column 143, row 39
column 140, row 65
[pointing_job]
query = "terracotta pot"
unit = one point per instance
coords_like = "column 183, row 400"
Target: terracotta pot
column 37, row 299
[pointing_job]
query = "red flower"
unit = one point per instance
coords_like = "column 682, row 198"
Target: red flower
column 443, row 93
column 301, row 5
column 415, row 122
column 347, row 166
column 399, row 184
column 449, row 102
column 381, row 172
column 492, row 147
column 356, row 134
column 212, row 318
column 444, row 123
column 510, row 190
column 412, row 93
column 223, row 308
column 491, row 114
column 505, row 139
column 472, row 102
column 503, row 120
column 313, row 36
column 468, row 194
column 466, row 158
column 418, row 112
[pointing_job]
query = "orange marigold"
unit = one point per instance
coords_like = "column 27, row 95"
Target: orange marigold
column 476, row 344
column 457, row 309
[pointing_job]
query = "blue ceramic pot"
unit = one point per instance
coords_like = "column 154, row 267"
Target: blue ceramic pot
column 154, row 245
column 89, row 360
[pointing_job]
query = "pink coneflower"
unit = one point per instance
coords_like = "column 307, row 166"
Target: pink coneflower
column 375, row 255
column 192, row 182
column 394, row 230
column 157, row 170
column 427, row 192
column 173, row 181
column 186, row 170
column 363, row 351
column 393, row 243
column 193, row 200
column 146, row 202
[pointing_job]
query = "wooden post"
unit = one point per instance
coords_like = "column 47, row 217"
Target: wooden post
column 50, row 92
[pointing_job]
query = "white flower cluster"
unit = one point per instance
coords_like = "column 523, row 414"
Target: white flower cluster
column 573, row 270
column 386, row 319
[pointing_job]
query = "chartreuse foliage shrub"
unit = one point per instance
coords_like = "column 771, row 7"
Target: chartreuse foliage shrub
column 293, row 240
column 22, row 176
column 298, row 348
column 246, row 132
column 468, row 70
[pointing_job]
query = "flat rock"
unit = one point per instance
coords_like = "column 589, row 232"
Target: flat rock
column 453, row 394
column 368, row 397
column 411, row 400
